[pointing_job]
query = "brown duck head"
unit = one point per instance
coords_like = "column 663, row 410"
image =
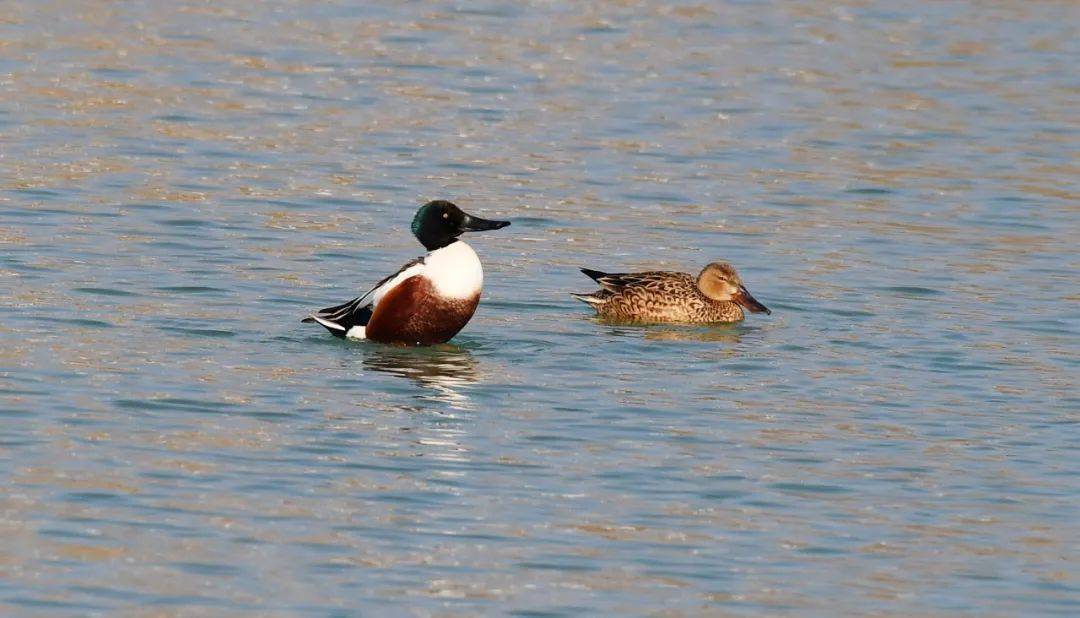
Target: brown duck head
column 719, row 281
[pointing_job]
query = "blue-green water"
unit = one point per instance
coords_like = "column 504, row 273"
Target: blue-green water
column 181, row 182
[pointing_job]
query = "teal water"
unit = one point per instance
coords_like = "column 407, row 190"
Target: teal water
column 181, row 182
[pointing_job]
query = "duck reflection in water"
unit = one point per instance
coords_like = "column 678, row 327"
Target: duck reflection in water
column 444, row 371
column 723, row 333
column 719, row 333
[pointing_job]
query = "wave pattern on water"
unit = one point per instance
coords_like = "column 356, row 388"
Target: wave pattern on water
column 181, row 182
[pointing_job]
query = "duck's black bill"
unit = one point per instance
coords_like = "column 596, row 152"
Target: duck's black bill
column 476, row 224
column 748, row 302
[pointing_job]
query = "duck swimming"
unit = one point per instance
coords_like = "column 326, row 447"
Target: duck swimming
column 430, row 298
column 716, row 295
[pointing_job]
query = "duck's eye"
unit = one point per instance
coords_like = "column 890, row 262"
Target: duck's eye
column 446, row 215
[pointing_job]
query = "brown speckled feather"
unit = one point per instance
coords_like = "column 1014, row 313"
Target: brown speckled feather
column 657, row 296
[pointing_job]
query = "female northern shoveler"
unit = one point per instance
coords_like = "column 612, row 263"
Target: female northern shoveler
column 431, row 298
column 717, row 295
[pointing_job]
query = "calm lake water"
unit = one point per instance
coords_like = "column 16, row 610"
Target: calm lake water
column 181, row 182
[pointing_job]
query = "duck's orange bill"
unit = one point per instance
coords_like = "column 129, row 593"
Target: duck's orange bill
column 744, row 299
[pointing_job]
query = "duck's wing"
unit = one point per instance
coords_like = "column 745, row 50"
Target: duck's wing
column 340, row 319
column 617, row 282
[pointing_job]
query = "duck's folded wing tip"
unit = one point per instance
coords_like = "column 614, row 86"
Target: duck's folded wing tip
column 329, row 325
column 594, row 299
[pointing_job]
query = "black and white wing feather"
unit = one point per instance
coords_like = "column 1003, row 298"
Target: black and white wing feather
column 340, row 319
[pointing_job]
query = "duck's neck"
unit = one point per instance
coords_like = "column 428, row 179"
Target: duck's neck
column 434, row 242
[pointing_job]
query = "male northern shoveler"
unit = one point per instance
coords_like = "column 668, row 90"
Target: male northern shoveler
column 431, row 298
column 717, row 295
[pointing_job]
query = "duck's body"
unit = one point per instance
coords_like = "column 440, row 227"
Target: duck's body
column 431, row 298
column 716, row 295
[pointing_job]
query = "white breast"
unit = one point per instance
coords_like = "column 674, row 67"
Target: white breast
column 455, row 270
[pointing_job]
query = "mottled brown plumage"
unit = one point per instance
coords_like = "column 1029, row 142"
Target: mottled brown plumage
column 716, row 295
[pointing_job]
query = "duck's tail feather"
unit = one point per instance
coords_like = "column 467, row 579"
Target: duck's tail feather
column 598, row 298
column 611, row 282
column 340, row 319
column 593, row 299
column 335, row 329
column 595, row 275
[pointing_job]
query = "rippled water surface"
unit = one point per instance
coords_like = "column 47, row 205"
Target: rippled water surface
column 180, row 182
